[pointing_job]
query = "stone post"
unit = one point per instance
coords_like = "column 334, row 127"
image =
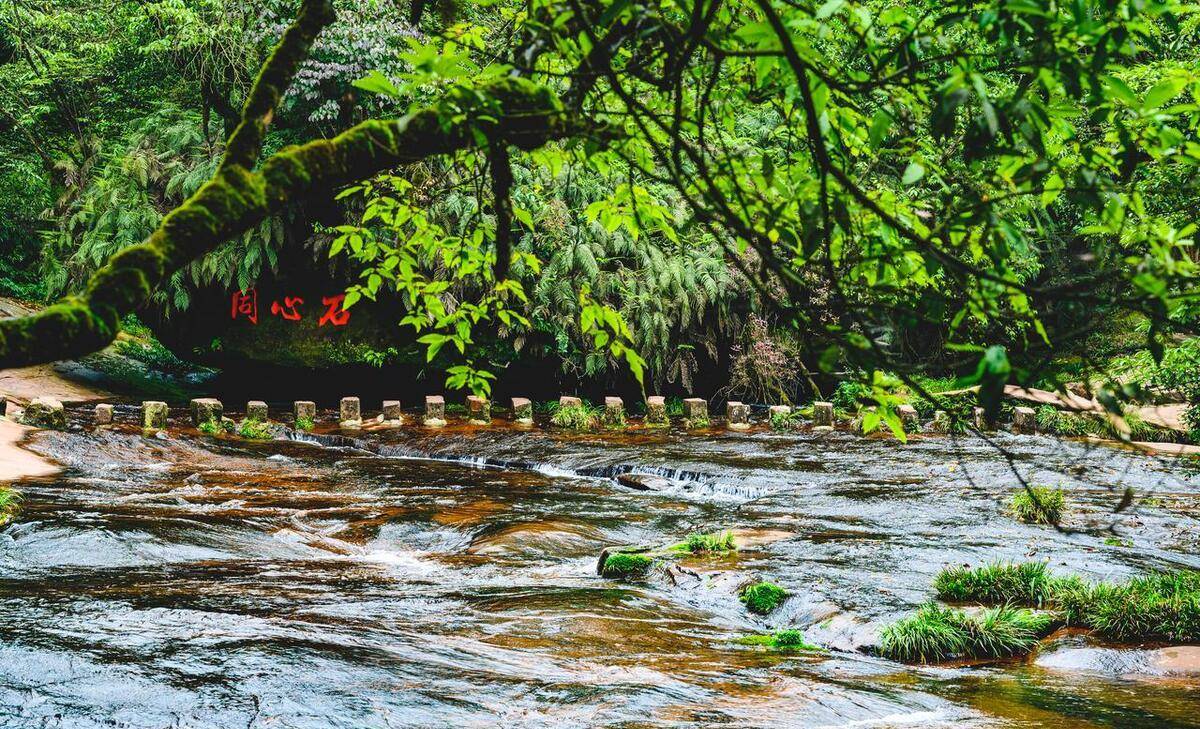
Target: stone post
column 909, row 418
column 104, row 414
column 614, row 412
column 656, row 411
column 435, row 411
column 1024, row 420
column 205, row 409
column 522, row 408
column 822, row 414
column 154, row 415
column 737, row 415
column 304, row 414
column 257, row 410
column 391, row 412
column 569, row 401
column 45, row 412
column 350, row 413
column 695, row 412
column 941, row 421
column 479, row 410
column 981, row 419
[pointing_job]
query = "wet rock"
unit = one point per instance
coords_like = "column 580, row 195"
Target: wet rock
column 522, row 408
column 154, row 415
column 535, row 540
column 644, row 482
column 737, row 415
column 1024, row 420
column 823, row 414
column 206, row 409
column 479, row 410
column 656, row 410
column 435, row 411
column 350, row 413
column 1075, row 654
column 257, row 410
column 45, row 412
column 104, row 414
column 844, row 632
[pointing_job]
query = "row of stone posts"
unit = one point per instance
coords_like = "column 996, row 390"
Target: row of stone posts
column 479, row 412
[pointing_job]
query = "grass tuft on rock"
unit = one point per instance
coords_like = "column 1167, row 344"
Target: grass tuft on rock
column 212, row 426
column 254, row 430
column 625, row 566
column 783, row 422
column 305, row 424
column 936, row 633
column 697, row 543
column 1027, row 583
column 10, row 503
column 790, row 640
column 1038, row 505
column 574, row 417
column 763, row 598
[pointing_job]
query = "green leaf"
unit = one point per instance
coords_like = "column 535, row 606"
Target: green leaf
column 913, row 173
column 376, row 83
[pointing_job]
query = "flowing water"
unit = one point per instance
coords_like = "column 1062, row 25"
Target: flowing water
column 408, row 578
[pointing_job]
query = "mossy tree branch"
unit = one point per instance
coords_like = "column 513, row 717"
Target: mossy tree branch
column 509, row 111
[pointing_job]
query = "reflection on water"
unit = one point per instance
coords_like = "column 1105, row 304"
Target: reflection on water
column 415, row 579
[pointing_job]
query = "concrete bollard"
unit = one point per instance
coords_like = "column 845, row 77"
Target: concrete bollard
column 522, row 408
column 435, row 411
column 479, row 410
column 392, row 414
column 909, row 418
column 614, row 412
column 45, row 412
column 206, row 409
column 981, row 419
column 350, row 413
column 104, row 414
column 154, row 415
column 257, row 410
column 656, row 411
column 304, row 414
column 822, row 415
column 941, row 421
column 1024, row 420
column 695, row 413
column 737, row 415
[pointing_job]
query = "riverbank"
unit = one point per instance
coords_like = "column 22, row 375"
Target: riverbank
column 15, row 461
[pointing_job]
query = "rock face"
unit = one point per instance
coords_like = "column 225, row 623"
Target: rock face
column 823, row 414
column 45, row 412
column 435, row 411
column 206, row 409
column 522, row 408
column 154, row 415
column 350, row 413
column 656, row 410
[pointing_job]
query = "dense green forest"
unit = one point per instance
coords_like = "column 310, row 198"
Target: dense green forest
column 756, row 193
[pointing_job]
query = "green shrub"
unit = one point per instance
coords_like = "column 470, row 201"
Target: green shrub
column 697, row 543
column 762, row 598
column 848, row 395
column 622, row 565
column 305, row 424
column 937, row 633
column 575, row 417
column 254, row 430
column 212, row 426
column 1038, row 505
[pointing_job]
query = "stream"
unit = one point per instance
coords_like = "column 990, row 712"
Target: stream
column 414, row 578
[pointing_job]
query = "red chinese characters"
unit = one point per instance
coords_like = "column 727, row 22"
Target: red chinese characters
column 245, row 304
column 335, row 314
column 289, row 309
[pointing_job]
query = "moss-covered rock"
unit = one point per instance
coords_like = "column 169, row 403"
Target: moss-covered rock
column 763, row 597
column 45, row 412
